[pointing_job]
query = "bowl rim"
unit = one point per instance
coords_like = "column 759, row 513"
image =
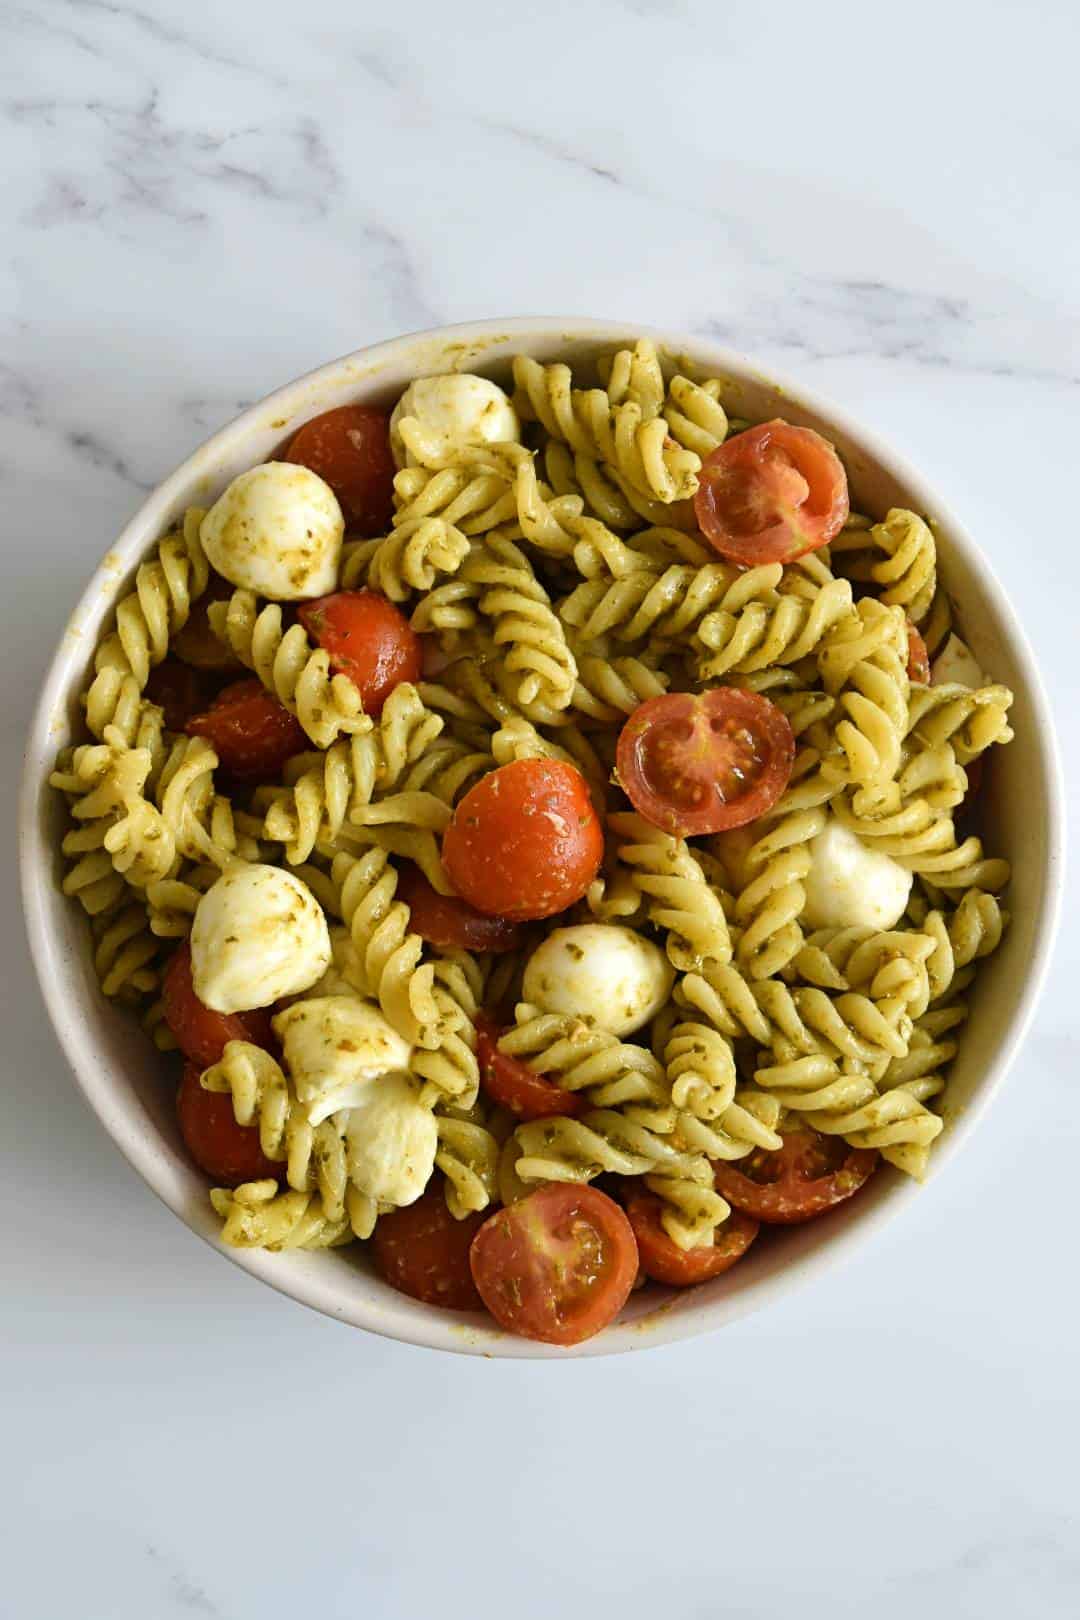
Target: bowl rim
column 75, row 1033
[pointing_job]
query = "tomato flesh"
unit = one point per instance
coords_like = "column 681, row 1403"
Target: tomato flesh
column 368, row 640
column 349, row 448
column 227, row 1152
column 525, row 841
column 451, row 923
column 771, row 494
column 700, row 763
column 508, row 1081
column 556, row 1266
column 918, row 659
column 808, row 1175
column 252, row 733
column 422, row 1251
column 201, row 1033
column 665, row 1262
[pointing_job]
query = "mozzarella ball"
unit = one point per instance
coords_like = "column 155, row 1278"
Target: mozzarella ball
column 610, row 975
column 391, row 1140
column 956, row 663
column 851, row 885
column 455, row 411
column 259, row 934
column 336, row 1048
column 277, row 531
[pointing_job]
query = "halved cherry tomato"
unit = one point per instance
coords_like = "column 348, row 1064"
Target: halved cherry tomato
column 513, row 1084
column 699, row 763
column 449, row 922
column 665, row 1262
column 178, row 689
column 368, row 640
column 558, row 1265
column 771, row 494
column 201, row 1033
column 918, row 659
column 350, row 448
column 525, row 841
column 227, row 1152
column 804, row 1178
column 421, row 1250
column 252, row 733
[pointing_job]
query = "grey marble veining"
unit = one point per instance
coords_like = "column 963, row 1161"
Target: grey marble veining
column 200, row 202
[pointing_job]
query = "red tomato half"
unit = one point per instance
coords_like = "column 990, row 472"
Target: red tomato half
column 252, row 733
column 421, row 1250
column 229, row 1153
column 449, row 922
column 701, row 763
column 558, row 1265
column 665, row 1262
column 178, row 689
column 513, row 1084
column 804, row 1178
column 525, row 841
column 350, row 448
column 201, row 1033
column 771, row 494
column 368, row 640
column 918, row 659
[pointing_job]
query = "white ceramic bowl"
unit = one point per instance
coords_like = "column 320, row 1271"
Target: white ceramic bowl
column 111, row 1057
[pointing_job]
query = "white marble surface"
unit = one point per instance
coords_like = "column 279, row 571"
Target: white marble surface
column 883, row 202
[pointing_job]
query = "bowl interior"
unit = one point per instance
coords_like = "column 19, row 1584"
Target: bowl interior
column 131, row 1089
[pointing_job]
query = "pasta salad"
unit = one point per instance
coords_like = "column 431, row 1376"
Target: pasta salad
column 544, row 823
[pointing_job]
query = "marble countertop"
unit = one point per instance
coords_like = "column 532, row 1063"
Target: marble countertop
column 200, row 203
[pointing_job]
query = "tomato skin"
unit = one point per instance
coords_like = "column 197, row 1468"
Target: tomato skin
column 665, row 1262
column 771, row 494
column 701, row 763
column 252, row 733
column 368, row 640
column 918, row 659
column 525, row 842
column 201, row 1033
column 422, row 1251
column 349, row 448
column 227, row 1152
column 810, row 1174
column 508, row 1081
column 558, row 1265
column 449, row 922
column 178, row 689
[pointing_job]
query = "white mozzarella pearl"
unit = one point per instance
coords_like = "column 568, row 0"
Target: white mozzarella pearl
column 955, row 663
column 610, row 975
column 455, row 411
column 391, row 1141
column 277, row 531
column 851, row 885
column 336, row 1048
column 259, row 934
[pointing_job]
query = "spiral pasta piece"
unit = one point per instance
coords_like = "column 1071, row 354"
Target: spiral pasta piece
column 769, row 905
column 580, row 1057
column 126, row 953
column 667, row 606
column 604, row 1139
column 201, row 821
column 700, row 1070
column 471, row 499
column 447, row 1065
column 147, row 618
column 523, row 624
column 863, row 663
column 257, row 1215
column 969, row 720
column 680, row 901
column 414, row 556
column 695, row 417
column 298, row 674
column 925, row 842
column 468, row 1156
column 763, row 634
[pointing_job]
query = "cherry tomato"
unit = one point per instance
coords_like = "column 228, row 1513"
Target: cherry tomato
column 350, row 448
column 771, row 494
column 525, row 841
column 201, row 1033
column 702, row 763
column 178, row 689
column 918, row 659
column 665, row 1262
column 368, row 640
column 451, row 923
column 229, row 1153
column 423, row 1251
column 513, row 1084
column 252, row 733
column 804, row 1178
column 558, row 1265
